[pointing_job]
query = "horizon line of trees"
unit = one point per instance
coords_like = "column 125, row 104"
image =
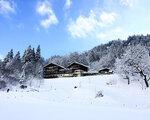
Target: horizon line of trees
column 115, row 54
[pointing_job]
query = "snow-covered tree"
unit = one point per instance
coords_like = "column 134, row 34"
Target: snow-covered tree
column 38, row 54
column 38, row 63
column 23, row 60
column 29, row 55
column 134, row 64
column 1, row 67
column 28, row 60
column 83, row 59
column 28, row 70
column 64, row 61
column 9, row 56
column 93, row 56
column 74, row 57
column 7, row 59
column 14, row 66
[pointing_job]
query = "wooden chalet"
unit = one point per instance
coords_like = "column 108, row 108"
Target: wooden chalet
column 105, row 71
column 53, row 70
column 78, row 69
column 78, row 66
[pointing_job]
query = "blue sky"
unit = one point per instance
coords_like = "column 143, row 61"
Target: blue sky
column 64, row 26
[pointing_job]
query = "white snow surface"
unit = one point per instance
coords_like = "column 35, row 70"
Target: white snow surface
column 57, row 99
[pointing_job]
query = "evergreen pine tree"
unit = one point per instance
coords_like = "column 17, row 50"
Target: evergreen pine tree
column 28, row 63
column 39, row 63
column 38, row 54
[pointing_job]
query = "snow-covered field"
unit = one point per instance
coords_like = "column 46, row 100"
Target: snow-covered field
column 57, row 99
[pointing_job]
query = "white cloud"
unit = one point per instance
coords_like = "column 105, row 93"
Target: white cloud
column 44, row 9
column 84, row 26
column 107, row 18
column 7, row 7
column 127, row 3
column 68, row 4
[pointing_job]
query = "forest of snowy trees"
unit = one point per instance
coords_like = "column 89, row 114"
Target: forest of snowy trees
column 15, row 69
column 129, row 58
column 103, row 55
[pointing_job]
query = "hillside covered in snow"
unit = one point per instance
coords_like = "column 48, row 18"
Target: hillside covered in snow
column 103, row 97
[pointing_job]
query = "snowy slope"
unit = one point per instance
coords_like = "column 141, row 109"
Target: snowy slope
column 58, row 99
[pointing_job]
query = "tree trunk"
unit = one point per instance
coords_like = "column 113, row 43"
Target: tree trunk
column 128, row 80
column 145, row 79
column 146, row 82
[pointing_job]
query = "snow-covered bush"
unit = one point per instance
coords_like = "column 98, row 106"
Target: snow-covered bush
column 99, row 94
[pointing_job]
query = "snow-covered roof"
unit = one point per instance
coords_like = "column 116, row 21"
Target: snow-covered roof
column 55, row 64
column 79, row 64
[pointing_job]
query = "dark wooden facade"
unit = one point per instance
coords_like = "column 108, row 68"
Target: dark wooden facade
column 78, row 66
column 52, row 70
column 105, row 71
